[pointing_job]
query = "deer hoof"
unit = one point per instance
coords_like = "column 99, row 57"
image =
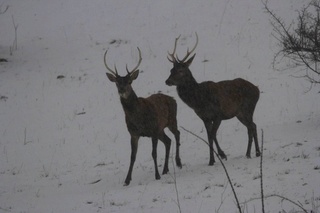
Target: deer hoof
column 178, row 162
column 157, row 175
column 211, row 163
column 165, row 171
column 223, row 156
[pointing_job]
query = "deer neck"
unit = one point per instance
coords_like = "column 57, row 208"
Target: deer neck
column 130, row 102
column 188, row 91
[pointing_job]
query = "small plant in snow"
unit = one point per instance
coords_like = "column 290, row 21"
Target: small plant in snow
column 316, row 167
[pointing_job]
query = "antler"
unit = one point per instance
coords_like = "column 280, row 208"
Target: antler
column 173, row 59
column 115, row 72
column 188, row 52
column 108, row 68
column 135, row 68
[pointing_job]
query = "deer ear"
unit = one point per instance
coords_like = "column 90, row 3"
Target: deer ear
column 111, row 77
column 134, row 75
column 188, row 63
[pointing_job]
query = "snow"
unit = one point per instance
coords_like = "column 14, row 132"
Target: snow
column 64, row 146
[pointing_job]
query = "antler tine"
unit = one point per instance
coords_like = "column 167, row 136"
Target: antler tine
column 127, row 69
column 173, row 59
column 189, row 52
column 135, row 68
column 108, row 68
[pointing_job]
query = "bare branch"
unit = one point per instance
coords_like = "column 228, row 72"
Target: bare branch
column 299, row 43
column 224, row 167
column 5, row 9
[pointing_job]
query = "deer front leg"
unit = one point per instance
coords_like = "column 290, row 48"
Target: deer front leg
column 154, row 156
column 134, row 148
column 178, row 159
column 212, row 128
column 215, row 126
column 208, row 125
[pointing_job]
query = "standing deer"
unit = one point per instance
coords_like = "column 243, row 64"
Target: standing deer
column 146, row 117
column 214, row 102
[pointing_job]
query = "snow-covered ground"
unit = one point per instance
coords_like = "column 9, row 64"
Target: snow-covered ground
column 64, row 146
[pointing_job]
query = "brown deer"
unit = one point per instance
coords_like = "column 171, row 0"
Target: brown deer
column 214, row 102
column 146, row 117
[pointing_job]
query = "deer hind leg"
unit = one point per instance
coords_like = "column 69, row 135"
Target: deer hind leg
column 252, row 133
column 167, row 143
column 176, row 133
column 255, row 138
column 134, row 148
column 154, row 156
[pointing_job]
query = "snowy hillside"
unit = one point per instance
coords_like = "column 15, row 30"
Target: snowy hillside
column 64, row 145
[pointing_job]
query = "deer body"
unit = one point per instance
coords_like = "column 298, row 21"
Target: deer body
column 206, row 97
column 214, row 102
column 147, row 117
column 144, row 116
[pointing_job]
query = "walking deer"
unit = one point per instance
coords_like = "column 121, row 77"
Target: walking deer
column 146, row 117
column 215, row 101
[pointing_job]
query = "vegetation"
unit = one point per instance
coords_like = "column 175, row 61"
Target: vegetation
column 299, row 41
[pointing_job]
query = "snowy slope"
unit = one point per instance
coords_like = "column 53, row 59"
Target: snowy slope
column 64, row 146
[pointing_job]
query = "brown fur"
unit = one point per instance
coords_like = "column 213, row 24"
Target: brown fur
column 214, row 102
column 147, row 117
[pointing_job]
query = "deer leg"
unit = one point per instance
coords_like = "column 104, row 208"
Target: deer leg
column 154, row 156
column 255, row 137
column 176, row 133
column 134, row 148
column 167, row 143
column 252, row 134
column 246, row 122
column 208, row 125
column 215, row 126
column 212, row 128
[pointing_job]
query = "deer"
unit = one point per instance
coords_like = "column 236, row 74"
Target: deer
column 146, row 117
column 215, row 101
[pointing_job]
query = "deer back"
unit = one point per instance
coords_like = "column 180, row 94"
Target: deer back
column 227, row 98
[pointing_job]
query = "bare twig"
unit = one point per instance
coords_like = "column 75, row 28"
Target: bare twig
column 279, row 196
column 5, row 9
column 14, row 45
column 224, row 167
column 299, row 43
column 222, row 198
column 261, row 174
column 289, row 200
column 25, row 142
column 174, row 177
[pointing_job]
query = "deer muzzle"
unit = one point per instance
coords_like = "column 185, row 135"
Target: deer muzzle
column 169, row 82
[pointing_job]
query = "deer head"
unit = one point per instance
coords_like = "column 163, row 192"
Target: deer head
column 123, row 83
column 180, row 72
